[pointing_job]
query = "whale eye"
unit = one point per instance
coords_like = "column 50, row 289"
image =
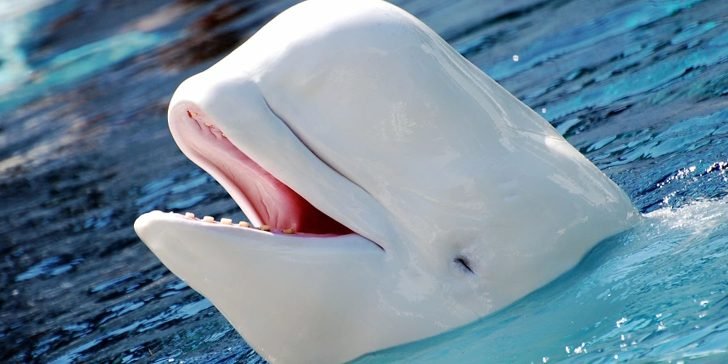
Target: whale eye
column 464, row 263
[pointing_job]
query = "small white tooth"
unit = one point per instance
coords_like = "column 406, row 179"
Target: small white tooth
column 264, row 227
column 289, row 231
column 244, row 224
column 226, row 221
column 189, row 215
column 208, row 219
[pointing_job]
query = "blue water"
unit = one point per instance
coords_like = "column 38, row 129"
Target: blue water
column 639, row 87
column 656, row 293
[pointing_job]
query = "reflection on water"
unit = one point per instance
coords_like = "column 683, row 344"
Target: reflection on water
column 639, row 87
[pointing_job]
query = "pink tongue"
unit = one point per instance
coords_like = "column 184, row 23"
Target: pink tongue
column 275, row 203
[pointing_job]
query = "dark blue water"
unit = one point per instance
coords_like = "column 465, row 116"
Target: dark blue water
column 640, row 87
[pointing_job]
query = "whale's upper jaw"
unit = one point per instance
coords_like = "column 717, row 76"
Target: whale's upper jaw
column 264, row 199
column 335, row 205
column 232, row 132
column 273, row 208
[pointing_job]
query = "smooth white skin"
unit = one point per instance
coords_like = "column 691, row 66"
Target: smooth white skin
column 369, row 115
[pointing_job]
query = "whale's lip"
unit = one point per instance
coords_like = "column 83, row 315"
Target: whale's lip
column 241, row 227
column 161, row 231
column 269, row 204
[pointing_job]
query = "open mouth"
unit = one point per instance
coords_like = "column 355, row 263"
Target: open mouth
column 268, row 203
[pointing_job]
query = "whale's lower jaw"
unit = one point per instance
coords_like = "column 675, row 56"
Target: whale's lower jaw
column 324, row 300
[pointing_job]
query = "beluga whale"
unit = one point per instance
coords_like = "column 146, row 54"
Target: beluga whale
column 393, row 190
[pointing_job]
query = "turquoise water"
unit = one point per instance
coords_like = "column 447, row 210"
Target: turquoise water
column 656, row 293
column 639, row 87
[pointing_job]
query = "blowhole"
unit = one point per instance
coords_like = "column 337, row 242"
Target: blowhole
column 464, row 263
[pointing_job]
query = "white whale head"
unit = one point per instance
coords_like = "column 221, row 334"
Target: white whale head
column 423, row 195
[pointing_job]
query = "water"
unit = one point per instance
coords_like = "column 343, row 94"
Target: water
column 656, row 293
column 640, row 87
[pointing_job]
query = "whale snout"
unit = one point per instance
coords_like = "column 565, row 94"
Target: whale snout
column 144, row 227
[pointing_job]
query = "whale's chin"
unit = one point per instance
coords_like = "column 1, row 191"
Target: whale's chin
column 264, row 199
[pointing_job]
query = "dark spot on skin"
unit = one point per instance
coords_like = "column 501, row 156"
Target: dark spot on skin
column 464, row 262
